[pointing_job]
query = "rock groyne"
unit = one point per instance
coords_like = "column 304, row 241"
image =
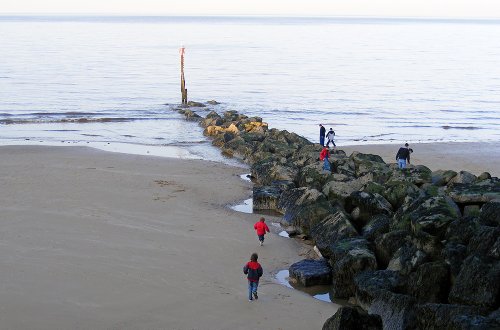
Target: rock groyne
column 414, row 248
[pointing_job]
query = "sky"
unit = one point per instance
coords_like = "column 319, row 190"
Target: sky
column 378, row 8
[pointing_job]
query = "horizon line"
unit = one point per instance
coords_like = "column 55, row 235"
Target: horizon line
column 242, row 16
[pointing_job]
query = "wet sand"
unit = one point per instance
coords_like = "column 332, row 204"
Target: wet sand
column 472, row 157
column 97, row 240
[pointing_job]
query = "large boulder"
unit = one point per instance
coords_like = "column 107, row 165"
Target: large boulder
column 478, row 283
column 462, row 230
column 341, row 190
column 490, row 214
column 434, row 215
column 303, row 207
column 417, row 175
column 442, row 177
column 396, row 310
column 266, row 197
column 349, row 257
column 396, row 191
column 430, row 282
column 463, row 177
column 313, row 176
column 352, row 318
column 480, row 192
column 309, row 272
column 369, row 283
column 485, row 242
column 377, row 226
column 369, row 205
column 454, row 255
column 453, row 317
column 387, row 244
column 334, row 227
column 407, row 258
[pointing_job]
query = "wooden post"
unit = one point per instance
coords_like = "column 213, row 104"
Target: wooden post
column 182, row 51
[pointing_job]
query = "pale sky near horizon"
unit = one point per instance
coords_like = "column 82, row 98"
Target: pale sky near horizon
column 381, row 8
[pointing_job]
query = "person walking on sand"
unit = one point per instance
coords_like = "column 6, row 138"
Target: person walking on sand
column 403, row 156
column 324, row 155
column 254, row 271
column 261, row 228
column 322, row 133
column 330, row 136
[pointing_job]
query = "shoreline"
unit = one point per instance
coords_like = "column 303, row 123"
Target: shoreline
column 110, row 240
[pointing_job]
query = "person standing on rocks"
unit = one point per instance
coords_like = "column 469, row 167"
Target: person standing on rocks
column 254, row 271
column 261, row 228
column 330, row 136
column 322, row 133
column 403, row 156
column 324, row 155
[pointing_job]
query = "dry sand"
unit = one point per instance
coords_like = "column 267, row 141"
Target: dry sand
column 98, row 240
column 472, row 157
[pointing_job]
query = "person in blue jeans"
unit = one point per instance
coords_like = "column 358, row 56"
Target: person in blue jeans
column 403, row 156
column 253, row 270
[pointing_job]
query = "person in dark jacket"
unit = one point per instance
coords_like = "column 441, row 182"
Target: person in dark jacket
column 322, row 133
column 254, row 271
column 403, row 156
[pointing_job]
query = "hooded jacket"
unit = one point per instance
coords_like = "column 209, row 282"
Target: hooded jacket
column 261, row 228
column 253, row 270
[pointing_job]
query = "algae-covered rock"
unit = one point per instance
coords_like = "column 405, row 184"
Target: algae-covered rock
column 453, row 317
column 387, row 244
column 489, row 214
column 434, row 215
column 369, row 205
column 477, row 283
column 310, row 272
column 396, row 310
column 417, row 175
column 407, row 258
column 430, row 282
column 334, row 227
column 369, row 284
column 396, row 192
column 352, row 318
column 348, row 258
column 480, row 192
column 442, row 177
column 377, row 226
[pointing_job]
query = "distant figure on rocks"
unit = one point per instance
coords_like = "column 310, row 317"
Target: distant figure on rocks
column 403, row 156
column 261, row 228
column 324, row 155
column 330, row 136
column 322, row 133
column 254, row 271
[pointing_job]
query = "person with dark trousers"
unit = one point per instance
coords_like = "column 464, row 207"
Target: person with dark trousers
column 261, row 228
column 403, row 156
column 254, row 271
column 322, row 133
column 330, row 136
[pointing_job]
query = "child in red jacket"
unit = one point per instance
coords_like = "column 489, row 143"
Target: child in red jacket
column 254, row 271
column 261, row 228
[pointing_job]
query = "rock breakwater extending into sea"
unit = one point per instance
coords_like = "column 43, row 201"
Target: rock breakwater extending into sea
column 414, row 248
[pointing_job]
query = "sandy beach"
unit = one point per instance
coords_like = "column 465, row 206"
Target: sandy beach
column 98, row 240
column 472, row 157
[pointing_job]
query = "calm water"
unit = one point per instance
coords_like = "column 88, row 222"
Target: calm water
column 108, row 80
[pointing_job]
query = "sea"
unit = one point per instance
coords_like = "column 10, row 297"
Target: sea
column 113, row 82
